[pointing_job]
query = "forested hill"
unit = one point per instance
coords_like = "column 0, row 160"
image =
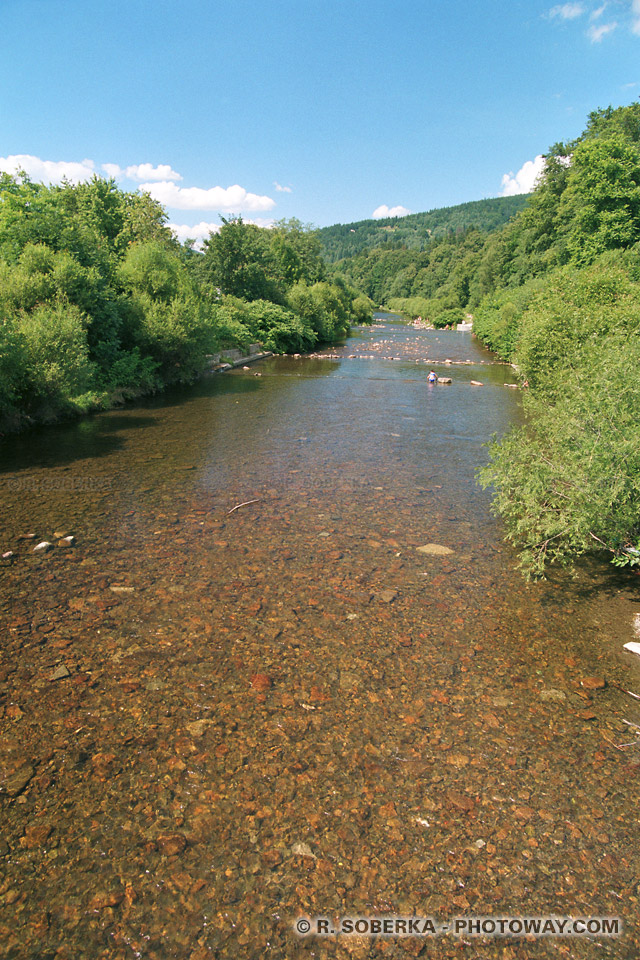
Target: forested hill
column 416, row 229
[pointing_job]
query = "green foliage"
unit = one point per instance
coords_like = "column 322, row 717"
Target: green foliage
column 153, row 269
column 57, row 371
column 602, row 199
column 177, row 334
column 298, row 252
column 568, row 482
column 497, row 321
column 239, row 261
column 448, row 318
column 12, row 371
column 417, row 230
column 279, row 329
column 362, row 310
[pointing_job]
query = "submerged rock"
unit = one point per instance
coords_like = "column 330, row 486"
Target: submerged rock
column 43, row 547
column 60, row 673
column 387, row 596
column 435, row 550
column 15, row 783
column 303, row 850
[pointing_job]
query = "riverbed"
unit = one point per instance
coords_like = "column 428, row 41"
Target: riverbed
column 288, row 669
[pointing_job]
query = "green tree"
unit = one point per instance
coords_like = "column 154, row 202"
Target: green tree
column 239, row 261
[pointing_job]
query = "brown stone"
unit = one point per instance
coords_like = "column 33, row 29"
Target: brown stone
column 15, row 783
column 171, row 844
column 35, row 834
column 106, row 898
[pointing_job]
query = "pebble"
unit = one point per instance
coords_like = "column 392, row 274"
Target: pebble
column 435, row 550
column 198, row 727
column 171, row 844
column 387, row 596
column 42, row 547
column 303, row 850
column 60, row 673
column 15, row 783
column 550, row 693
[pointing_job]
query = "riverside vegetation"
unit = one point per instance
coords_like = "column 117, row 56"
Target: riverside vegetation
column 557, row 292
column 99, row 302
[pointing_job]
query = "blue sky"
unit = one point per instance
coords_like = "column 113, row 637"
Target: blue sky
column 329, row 111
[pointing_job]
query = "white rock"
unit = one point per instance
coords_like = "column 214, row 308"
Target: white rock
column 303, row 850
column 42, row 547
column 633, row 647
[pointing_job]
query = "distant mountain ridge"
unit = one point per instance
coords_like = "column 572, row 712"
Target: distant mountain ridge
column 416, row 229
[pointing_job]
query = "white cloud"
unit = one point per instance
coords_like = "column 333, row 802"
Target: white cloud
column 141, row 172
column 146, row 171
column 598, row 13
column 524, row 180
column 384, row 211
column 198, row 232
column 281, row 189
column 48, row 171
column 232, row 199
column 113, row 170
column 596, row 34
column 201, row 231
column 571, row 11
column 567, row 11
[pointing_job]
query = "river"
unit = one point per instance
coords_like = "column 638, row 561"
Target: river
column 289, row 669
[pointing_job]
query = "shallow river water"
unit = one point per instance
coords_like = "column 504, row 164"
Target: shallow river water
column 245, row 696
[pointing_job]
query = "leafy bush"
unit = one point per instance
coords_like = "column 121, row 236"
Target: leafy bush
column 569, row 480
column 277, row 328
column 177, row 334
column 448, row 318
column 57, row 368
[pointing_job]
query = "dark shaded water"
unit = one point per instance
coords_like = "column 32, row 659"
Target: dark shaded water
column 287, row 708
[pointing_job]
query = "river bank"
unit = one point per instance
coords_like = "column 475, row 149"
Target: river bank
column 248, row 693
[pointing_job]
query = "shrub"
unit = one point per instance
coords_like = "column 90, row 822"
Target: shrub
column 57, row 368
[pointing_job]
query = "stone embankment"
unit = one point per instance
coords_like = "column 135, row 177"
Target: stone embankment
column 228, row 359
